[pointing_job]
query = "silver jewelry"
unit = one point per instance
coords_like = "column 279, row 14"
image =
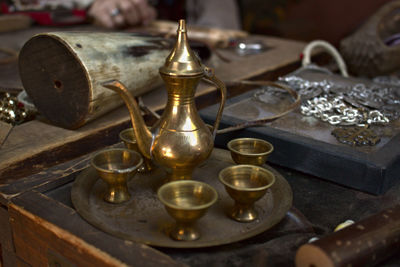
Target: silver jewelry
column 356, row 136
column 387, row 80
column 336, row 112
column 115, row 12
column 380, row 98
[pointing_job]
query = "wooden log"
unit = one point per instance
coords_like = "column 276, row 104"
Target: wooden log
column 364, row 243
column 14, row 22
column 62, row 72
column 215, row 37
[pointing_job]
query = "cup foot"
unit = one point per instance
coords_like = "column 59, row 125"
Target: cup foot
column 184, row 234
column 244, row 215
column 117, row 197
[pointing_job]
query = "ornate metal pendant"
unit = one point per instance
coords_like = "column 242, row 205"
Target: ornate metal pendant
column 356, row 136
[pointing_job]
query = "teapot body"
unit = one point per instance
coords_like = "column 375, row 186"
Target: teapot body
column 181, row 141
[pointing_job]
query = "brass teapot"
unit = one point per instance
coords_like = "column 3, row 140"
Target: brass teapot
column 180, row 140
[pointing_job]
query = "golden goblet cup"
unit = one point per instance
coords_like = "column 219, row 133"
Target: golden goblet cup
column 250, row 151
column 186, row 201
column 128, row 137
column 115, row 166
column 246, row 184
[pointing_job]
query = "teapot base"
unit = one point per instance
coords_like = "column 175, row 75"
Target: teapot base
column 178, row 175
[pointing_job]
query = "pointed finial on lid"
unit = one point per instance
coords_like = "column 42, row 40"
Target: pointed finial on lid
column 182, row 26
column 182, row 61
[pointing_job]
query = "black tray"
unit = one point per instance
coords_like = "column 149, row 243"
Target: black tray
column 306, row 144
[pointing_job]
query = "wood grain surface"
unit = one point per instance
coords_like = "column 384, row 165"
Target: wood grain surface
column 62, row 72
column 365, row 243
column 37, row 240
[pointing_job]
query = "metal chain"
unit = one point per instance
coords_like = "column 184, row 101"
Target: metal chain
column 307, row 89
column 334, row 111
column 356, row 104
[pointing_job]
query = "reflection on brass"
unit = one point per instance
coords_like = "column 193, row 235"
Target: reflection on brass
column 180, row 140
column 143, row 218
column 115, row 166
column 129, row 139
column 246, row 184
column 186, row 202
column 356, row 136
column 251, row 151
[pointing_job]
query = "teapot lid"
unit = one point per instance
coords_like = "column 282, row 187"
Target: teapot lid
column 182, row 61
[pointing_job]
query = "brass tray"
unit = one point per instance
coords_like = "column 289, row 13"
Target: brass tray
column 143, row 218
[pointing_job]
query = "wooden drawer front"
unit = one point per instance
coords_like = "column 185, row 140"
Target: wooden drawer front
column 7, row 253
column 37, row 240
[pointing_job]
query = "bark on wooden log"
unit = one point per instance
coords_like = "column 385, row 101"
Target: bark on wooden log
column 364, row 243
column 62, row 72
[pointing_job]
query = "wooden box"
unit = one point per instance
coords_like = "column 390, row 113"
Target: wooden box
column 47, row 230
column 44, row 229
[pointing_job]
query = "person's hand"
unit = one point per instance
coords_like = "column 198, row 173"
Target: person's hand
column 121, row 13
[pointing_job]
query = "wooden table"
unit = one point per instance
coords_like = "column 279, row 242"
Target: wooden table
column 33, row 147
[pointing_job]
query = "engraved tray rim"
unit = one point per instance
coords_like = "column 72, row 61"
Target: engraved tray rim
column 281, row 191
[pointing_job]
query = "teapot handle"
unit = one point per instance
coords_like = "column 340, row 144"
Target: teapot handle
column 210, row 76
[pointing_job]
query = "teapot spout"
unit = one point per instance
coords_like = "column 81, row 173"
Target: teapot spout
column 142, row 133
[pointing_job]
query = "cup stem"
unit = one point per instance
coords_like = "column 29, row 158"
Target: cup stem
column 244, row 212
column 117, row 194
column 147, row 165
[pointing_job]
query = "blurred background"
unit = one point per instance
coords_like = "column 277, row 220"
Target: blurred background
column 307, row 20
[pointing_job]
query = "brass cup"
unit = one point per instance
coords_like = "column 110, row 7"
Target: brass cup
column 186, row 201
column 250, row 150
column 246, row 184
column 129, row 139
column 115, row 166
